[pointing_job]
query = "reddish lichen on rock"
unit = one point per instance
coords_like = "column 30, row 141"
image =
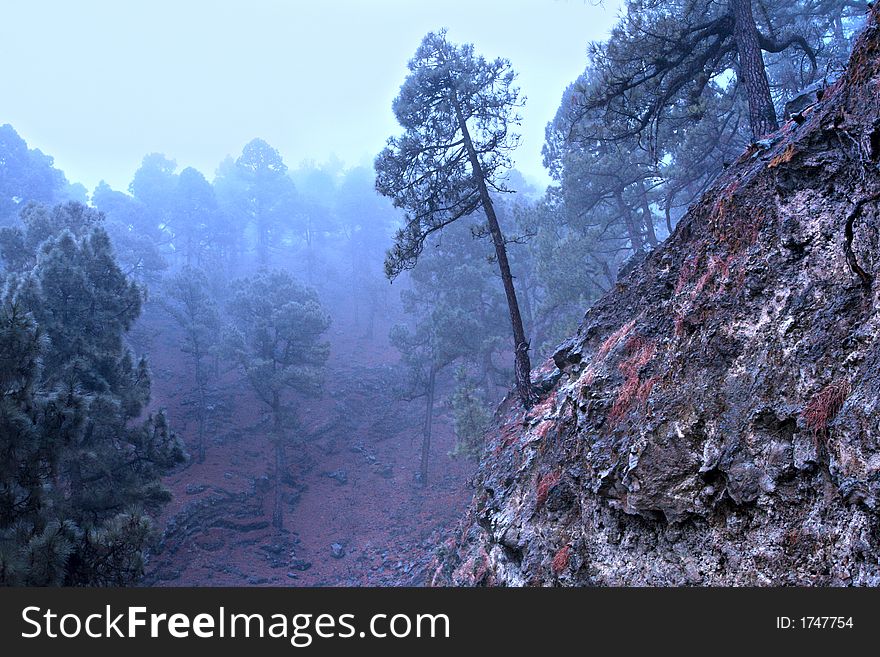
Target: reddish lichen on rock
column 613, row 339
column 641, row 352
column 825, row 406
column 560, row 560
column 545, row 485
column 752, row 352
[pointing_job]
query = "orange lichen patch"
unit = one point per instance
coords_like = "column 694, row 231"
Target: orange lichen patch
column 613, row 339
column 641, row 352
column 509, row 435
column 545, row 485
column 624, row 400
column 714, row 280
column 825, row 406
column 560, row 559
column 725, row 199
column 732, row 223
column 635, row 343
column 782, row 158
column 740, row 231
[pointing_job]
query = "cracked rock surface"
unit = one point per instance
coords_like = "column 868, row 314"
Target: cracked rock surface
column 715, row 419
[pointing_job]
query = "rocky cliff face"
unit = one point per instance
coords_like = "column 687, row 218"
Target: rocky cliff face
column 716, row 419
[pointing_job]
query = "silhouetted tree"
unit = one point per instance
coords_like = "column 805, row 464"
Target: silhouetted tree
column 134, row 230
column 677, row 92
column 471, row 415
column 194, row 216
column 313, row 217
column 154, row 184
column 366, row 221
column 663, row 53
column 457, row 310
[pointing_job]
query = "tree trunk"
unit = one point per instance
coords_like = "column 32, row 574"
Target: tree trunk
column 262, row 243
column 522, row 365
column 648, row 217
column 636, row 239
column 202, row 403
column 429, row 423
column 752, row 72
column 278, row 502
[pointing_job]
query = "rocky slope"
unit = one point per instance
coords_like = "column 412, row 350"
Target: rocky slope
column 715, row 420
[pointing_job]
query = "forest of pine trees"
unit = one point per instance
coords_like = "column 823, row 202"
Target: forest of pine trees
column 254, row 262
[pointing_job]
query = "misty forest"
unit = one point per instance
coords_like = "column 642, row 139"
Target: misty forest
column 437, row 369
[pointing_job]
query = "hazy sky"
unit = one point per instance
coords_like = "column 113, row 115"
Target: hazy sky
column 98, row 84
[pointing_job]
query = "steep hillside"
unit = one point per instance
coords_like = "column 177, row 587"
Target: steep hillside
column 715, row 420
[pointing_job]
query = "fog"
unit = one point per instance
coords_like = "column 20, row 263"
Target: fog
column 268, row 270
column 104, row 83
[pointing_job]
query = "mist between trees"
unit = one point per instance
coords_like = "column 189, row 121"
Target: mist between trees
column 255, row 267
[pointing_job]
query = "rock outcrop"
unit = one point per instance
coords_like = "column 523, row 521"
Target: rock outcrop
column 715, row 421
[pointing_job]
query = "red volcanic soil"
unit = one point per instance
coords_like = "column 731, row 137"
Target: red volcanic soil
column 216, row 529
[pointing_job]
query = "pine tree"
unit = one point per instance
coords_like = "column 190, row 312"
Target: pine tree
column 456, row 110
column 134, row 231
column 676, row 93
column 26, row 174
column 84, row 470
column 470, row 415
column 194, row 216
column 255, row 191
column 189, row 302
column 275, row 339
column 366, row 221
column 457, row 310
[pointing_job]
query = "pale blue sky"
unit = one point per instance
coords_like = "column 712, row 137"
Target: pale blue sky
column 100, row 83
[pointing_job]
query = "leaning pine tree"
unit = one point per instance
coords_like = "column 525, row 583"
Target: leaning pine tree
column 456, row 109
